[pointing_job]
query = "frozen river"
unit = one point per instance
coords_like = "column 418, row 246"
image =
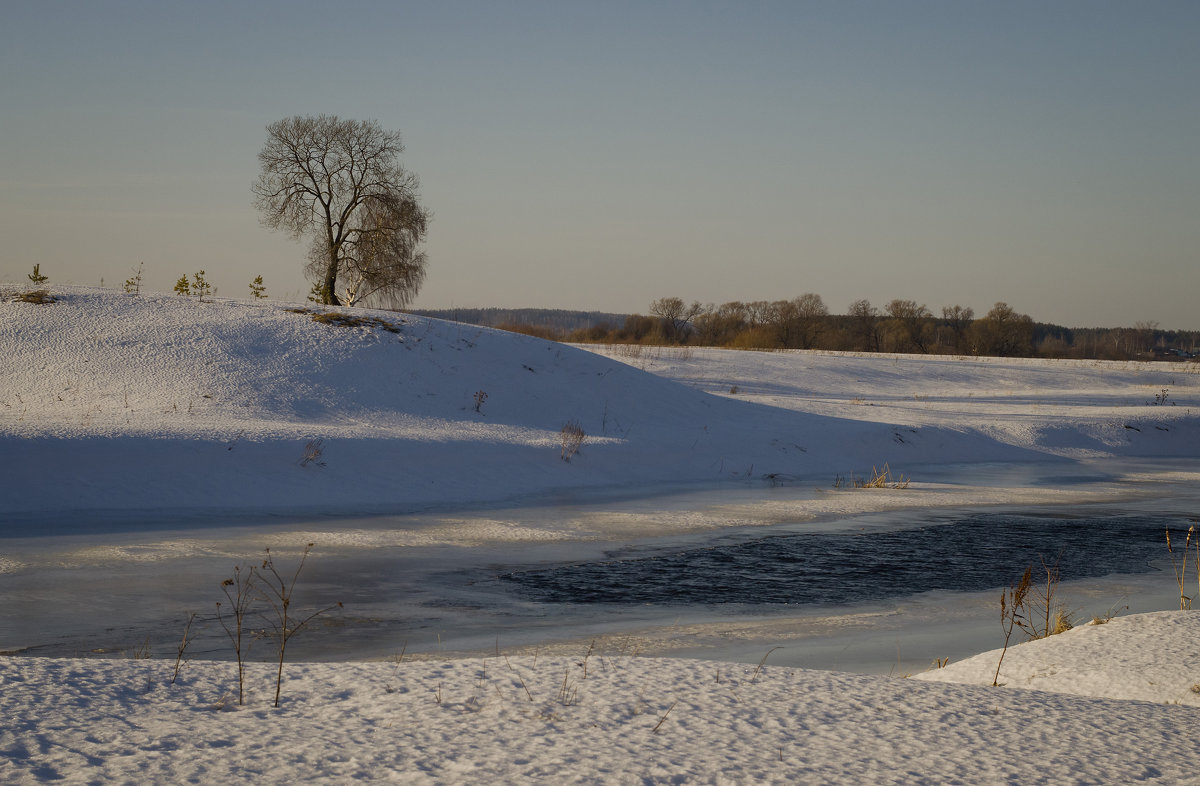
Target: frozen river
column 859, row 580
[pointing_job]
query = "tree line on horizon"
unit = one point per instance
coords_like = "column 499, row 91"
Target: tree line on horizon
column 805, row 322
column 339, row 184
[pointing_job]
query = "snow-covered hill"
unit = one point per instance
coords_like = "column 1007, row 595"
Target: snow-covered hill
column 165, row 405
column 157, row 402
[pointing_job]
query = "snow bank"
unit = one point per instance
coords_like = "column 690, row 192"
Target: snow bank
column 1144, row 657
column 600, row 717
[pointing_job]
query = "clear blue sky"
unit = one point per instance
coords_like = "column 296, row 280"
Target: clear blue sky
column 598, row 155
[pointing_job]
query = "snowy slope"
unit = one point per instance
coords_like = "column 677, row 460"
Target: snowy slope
column 214, row 403
column 156, row 401
column 1109, row 660
column 159, row 403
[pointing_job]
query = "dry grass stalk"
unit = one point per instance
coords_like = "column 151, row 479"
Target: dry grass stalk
column 568, row 692
column 573, row 436
column 761, row 663
column 187, row 629
column 1012, row 606
column 40, row 297
column 663, row 719
column 312, row 453
column 277, row 591
column 1043, row 616
column 879, row 479
column 1180, row 565
column 238, row 592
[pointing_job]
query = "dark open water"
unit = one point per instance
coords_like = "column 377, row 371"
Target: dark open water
column 973, row 553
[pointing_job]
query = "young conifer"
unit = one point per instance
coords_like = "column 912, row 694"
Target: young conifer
column 133, row 284
column 200, row 286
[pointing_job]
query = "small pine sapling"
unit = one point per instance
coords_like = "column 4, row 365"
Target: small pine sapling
column 36, row 276
column 200, row 286
column 318, row 294
column 182, row 287
column 133, row 284
column 257, row 288
column 277, row 591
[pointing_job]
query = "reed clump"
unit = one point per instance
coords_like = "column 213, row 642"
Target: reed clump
column 878, row 479
column 1179, row 563
column 1033, row 608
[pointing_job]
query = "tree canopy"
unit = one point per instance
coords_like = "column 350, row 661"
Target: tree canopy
column 339, row 183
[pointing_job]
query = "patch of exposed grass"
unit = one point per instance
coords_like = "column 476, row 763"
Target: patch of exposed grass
column 348, row 320
column 879, row 479
column 41, row 297
column 573, row 436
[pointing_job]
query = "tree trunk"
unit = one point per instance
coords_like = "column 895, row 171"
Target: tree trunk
column 331, row 272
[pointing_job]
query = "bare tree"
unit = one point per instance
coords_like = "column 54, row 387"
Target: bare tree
column 956, row 319
column 1004, row 333
column 796, row 323
column 910, row 325
column 779, row 317
column 811, row 317
column 676, row 317
column 758, row 313
column 719, row 325
column 866, row 325
column 340, row 184
column 1146, row 332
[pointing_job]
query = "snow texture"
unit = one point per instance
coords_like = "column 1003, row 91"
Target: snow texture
column 114, row 404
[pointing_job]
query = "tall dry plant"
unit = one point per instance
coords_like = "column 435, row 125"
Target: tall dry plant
column 1012, row 612
column 572, row 435
column 238, row 591
column 183, row 644
column 1179, row 565
column 1046, row 616
column 276, row 591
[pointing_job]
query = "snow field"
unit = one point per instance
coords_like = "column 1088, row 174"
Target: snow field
column 118, row 410
column 516, row 719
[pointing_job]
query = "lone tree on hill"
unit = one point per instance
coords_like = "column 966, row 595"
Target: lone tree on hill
column 340, row 184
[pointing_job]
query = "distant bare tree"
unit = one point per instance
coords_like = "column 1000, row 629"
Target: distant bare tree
column 707, row 327
column 910, row 325
column 1146, row 332
column 866, row 325
column 719, row 325
column 779, row 317
column 340, row 184
column 811, row 317
column 757, row 313
column 956, row 319
column 1004, row 333
column 676, row 317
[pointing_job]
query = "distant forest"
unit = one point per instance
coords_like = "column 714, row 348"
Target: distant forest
column 805, row 323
